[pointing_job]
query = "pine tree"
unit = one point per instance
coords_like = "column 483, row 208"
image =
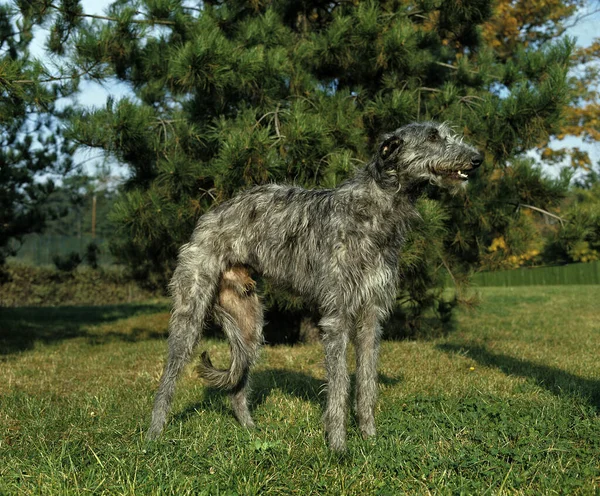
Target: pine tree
column 233, row 94
column 30, row 133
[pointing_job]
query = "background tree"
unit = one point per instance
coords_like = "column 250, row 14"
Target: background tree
column 525, row 23
column 70, row 206
column 231, row 94
column 577, row 238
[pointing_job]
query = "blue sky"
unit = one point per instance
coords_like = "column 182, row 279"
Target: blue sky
column 95, row 95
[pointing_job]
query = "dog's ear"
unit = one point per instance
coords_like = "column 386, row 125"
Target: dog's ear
column 390, row 146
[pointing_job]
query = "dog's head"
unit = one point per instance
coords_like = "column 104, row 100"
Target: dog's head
column 426, row 153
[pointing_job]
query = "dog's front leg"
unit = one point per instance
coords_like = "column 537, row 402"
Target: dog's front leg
column 366, row 343
column 335, row 340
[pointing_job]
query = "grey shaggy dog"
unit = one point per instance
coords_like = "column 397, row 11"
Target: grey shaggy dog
column 338, row 248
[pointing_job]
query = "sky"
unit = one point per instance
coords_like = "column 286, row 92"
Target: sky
column 95, row 95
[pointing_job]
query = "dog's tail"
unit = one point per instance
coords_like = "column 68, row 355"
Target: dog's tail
column 239, row 312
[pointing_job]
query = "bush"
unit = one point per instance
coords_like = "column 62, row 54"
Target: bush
column 24, row 285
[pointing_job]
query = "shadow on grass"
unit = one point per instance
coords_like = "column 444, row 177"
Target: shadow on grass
column 21, row 327
column 263, row 384
column 552, row 379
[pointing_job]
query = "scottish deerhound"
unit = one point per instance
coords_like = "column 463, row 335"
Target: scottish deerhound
column 338, row 248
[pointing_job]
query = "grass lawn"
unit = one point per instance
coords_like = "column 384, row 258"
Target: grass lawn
column 508, row 402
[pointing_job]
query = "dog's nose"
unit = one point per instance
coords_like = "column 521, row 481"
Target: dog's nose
column 477, row 161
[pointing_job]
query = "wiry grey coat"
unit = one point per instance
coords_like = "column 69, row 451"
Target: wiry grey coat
column 338, row 248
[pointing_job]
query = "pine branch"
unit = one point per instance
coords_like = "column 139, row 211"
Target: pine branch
column 275, row 115
column 163, row 22
column 432, row 90
column 545, row 212
column 53, row 79
column 449, row 66
column 194, row 9
column 11, row 34
column 114, row 19
column 47, row 80
column 453, row 67
column 449, row 271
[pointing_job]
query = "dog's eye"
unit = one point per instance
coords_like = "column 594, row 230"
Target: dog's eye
column 389, row 147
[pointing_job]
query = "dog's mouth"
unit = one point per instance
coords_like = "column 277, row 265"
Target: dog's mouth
column 454, row 175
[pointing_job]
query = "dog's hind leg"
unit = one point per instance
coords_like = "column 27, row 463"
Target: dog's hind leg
column 240, row 313
column 193, row 287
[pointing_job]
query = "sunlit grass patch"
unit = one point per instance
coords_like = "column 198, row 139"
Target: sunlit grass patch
column 507, row 402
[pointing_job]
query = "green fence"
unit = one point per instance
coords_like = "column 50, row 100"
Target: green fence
column 40, row 249
column 582, row 273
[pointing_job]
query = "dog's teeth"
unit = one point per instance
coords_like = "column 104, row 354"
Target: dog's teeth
column 462, row 175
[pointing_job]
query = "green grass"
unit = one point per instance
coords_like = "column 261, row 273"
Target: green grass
column 508, row 402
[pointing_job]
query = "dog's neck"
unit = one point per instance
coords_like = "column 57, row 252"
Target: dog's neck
column 394, row 190
column 381, row 204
